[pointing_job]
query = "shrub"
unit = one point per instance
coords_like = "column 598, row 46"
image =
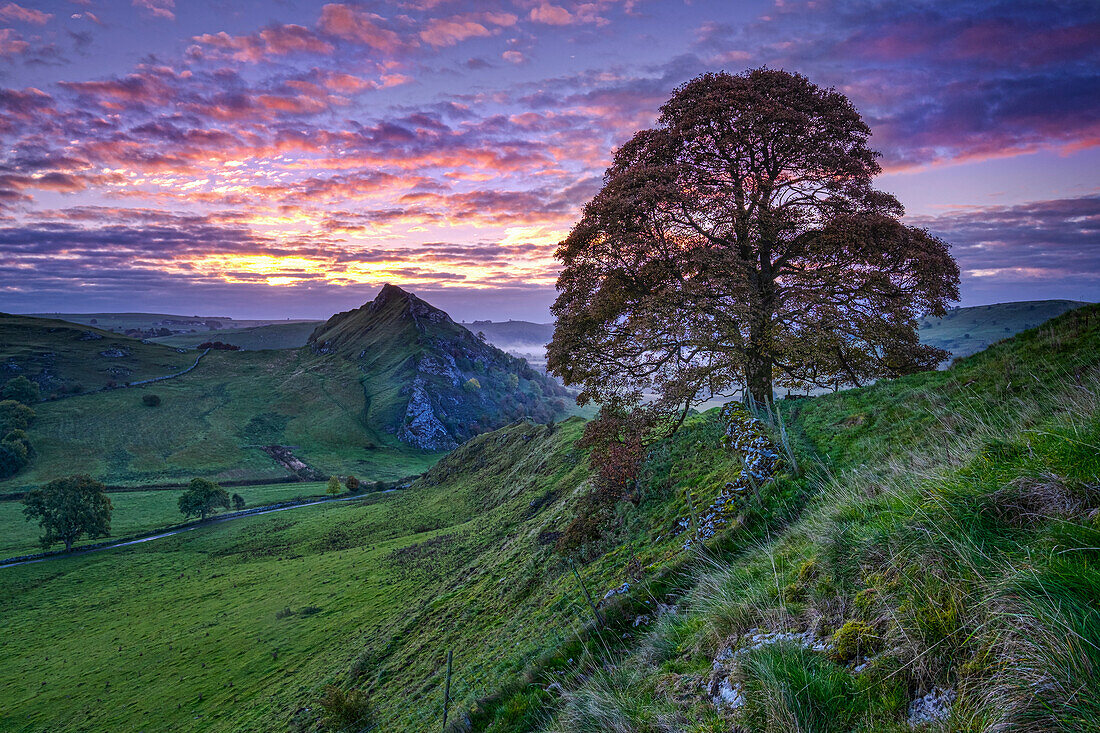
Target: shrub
column 13, row 457
column 342, row 710
column 472, row 385
column 352, row 484
column 333, row 486
column 238, row 502
column 15, row 416
column 22, row 390
column 150, row 400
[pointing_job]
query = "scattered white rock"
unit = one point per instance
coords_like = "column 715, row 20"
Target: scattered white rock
column 932, row 708
column 727, row 696
column 745, row 434
column 617, row 591
column 663, row 608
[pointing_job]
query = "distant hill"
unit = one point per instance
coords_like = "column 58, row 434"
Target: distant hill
column 163, row 325
column 429, row 380
column 966, row 331
column 63, row 357
column 291, row 335
column 520, row 338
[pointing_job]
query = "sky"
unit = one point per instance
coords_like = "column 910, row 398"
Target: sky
column 285, row 159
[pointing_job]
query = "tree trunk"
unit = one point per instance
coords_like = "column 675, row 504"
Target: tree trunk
column 758, row 363
column 758, row 372
column 68, row 545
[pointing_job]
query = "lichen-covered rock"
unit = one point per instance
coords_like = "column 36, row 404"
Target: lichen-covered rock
column 931, row 708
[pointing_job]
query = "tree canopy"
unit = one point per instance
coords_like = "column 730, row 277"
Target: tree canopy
column 203, row 497
column 21, row 389
column 69, row 508
column 740, row 243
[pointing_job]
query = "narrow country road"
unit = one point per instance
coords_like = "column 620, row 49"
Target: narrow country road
column 181, row 530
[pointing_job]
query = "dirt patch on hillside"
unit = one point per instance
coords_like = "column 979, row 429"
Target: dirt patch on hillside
column 284, row 456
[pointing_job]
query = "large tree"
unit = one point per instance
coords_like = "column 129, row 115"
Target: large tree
column 738, row 243
column 203, row 497
column 68, row 508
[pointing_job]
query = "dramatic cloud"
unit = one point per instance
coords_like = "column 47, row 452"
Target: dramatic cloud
column 1057, row 241
column 451, row 145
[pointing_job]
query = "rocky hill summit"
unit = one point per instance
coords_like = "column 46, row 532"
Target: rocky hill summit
column 428, row 380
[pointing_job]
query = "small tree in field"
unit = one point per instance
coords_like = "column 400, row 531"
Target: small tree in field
column 15, row 416
column 740, row 243
column 333, row 486
column 150, row 400
column 238, row 502
column 352, row 484
column 69, row 508
column 22, row 390
column 203, row 497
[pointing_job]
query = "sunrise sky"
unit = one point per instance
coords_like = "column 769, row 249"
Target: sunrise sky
column 272, row 159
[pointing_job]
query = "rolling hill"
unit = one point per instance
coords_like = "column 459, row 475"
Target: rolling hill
column 941, row 525
column 66, row 358
column 428, row 379
column 255, row 338
column 382, row 391
column 966, row 331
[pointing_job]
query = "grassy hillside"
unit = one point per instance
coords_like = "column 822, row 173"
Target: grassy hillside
column 948, row 553
column 428, row 379
column 966, row 331
column 214, row 421
column 63, row 357
column 943, row 531
column 378, row 590
column 274, row 336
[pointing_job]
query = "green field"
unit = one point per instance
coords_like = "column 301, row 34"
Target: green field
column 396, row 579
column 137, row 512
column 212, row 422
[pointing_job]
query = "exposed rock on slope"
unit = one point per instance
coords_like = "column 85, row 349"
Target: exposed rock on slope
column 428, row 380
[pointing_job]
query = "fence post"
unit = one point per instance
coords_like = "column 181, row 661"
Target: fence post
column 587, row 597
column 447, row 691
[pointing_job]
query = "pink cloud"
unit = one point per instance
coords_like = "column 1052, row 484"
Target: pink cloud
column 157, row 8
column 355, row 24
column 551, row 15
column 13, row 13
column 450, row 32
column 279, row 40
column 513, row 57
column 11, row 43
